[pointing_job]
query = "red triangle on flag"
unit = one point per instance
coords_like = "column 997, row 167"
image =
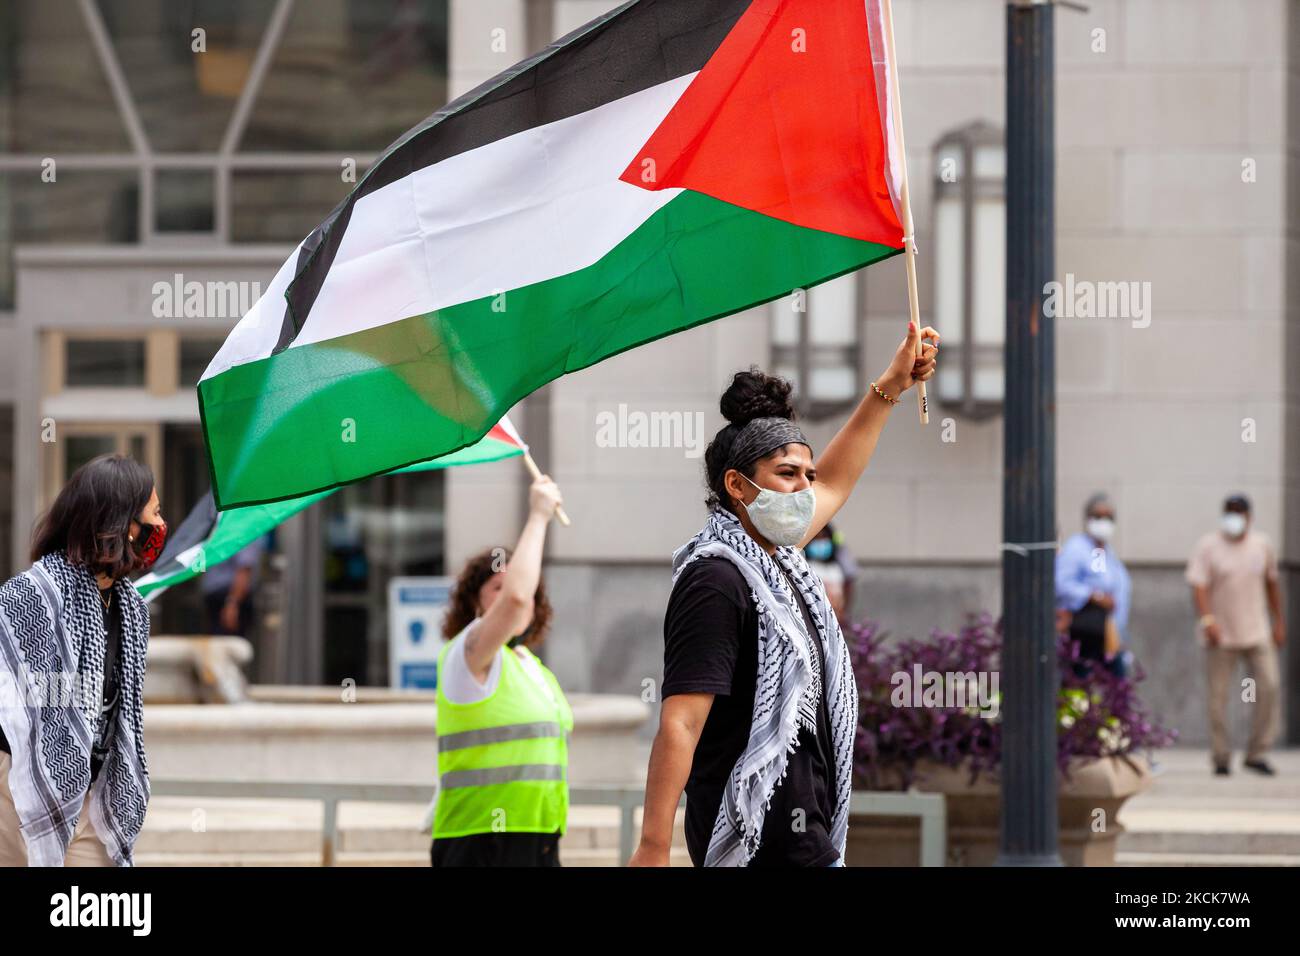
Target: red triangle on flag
column 783, row 120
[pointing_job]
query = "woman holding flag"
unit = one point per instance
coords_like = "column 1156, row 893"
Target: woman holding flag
column 503, row 795
column 760, row 706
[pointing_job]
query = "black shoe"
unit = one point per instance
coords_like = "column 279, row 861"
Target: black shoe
column 1260, row 765
column 1221, row 770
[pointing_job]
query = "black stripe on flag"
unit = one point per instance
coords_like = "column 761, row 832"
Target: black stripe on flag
column 632, row 48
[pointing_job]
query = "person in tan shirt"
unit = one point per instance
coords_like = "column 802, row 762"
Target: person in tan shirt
column 1232, row 571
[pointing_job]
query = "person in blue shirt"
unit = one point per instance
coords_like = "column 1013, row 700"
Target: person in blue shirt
column 1092, row 585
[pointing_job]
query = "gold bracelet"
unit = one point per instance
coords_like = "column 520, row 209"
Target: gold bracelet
column 880, row 392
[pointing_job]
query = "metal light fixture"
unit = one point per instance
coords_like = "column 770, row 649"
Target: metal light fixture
column 816, row 338
column 969, row 293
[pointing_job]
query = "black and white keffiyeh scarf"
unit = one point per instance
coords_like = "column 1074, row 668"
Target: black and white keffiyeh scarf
column 52, row 640
column 782, row 691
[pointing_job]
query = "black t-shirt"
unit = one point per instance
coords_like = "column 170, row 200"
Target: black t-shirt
column 711, row 646
column 109, row 704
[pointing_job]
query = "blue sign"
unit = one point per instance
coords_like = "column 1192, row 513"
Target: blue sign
column 416, row 607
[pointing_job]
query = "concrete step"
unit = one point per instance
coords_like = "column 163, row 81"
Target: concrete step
column 1162, row 827
column 1244, row 844
column 1124, row 858
column 1190, row 817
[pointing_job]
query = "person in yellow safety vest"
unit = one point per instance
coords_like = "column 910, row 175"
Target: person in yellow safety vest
column 503, row 792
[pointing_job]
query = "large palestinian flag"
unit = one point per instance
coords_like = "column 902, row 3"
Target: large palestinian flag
column 667, row 164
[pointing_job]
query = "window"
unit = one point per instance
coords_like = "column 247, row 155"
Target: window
column 82, row 448
column 97, row 363
column 53, row 90
column 374, row 530
column 195, row 356
column 183, row 200
column 271, row 205
column 184, row 97
column 77, row 444
column 77, row 206
column 281, row 94
column 351, row 75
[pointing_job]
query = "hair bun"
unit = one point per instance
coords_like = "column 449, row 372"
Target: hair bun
column 755, row 394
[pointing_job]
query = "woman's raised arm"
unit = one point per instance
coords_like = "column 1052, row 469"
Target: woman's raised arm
column 509, row 613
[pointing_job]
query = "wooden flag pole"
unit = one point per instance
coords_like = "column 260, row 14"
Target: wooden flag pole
column 537, row 473
column 909, row 230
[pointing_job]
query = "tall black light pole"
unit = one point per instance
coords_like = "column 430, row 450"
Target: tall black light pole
column 1029, row 670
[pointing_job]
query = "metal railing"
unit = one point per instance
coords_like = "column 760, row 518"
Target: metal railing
column 929, row 807
column 329, row 794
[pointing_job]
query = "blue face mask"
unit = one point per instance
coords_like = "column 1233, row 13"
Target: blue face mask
column 820, row 549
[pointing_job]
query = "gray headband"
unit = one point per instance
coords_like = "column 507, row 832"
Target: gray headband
column 759, row 437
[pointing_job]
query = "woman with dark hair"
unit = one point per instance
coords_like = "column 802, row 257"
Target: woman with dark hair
column 503, row 797
column 760, row 707
column 74, row 782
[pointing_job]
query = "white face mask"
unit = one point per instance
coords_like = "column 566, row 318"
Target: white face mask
column 783, row 517
column 1101, row 528
column 1233, row 524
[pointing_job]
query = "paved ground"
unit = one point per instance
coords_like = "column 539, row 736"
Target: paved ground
column 1189, row 816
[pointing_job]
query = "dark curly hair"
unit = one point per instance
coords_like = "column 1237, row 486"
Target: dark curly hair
column 477, row 572
column 752, row 394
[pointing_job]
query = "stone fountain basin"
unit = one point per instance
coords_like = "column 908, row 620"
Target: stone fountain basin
column 384, row 736
column 202, row 720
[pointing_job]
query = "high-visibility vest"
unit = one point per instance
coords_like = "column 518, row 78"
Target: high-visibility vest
column 503, row 761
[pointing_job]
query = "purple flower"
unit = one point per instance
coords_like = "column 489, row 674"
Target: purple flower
column 951, row 715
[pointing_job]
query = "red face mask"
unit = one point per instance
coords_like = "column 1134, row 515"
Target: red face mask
column 150, row 547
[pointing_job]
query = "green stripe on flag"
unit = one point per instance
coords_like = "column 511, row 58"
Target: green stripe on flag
column 236, row 527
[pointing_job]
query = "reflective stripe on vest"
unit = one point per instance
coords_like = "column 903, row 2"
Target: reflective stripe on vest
column 497, row 735
column 481, row 778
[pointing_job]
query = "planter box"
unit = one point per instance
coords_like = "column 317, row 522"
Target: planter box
column 1087, row 805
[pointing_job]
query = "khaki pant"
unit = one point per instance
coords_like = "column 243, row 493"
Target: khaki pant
column 1261, row 664
column 84, row 850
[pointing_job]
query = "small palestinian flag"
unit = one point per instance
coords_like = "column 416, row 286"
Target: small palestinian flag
column 207, row 537
column 667, row 164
